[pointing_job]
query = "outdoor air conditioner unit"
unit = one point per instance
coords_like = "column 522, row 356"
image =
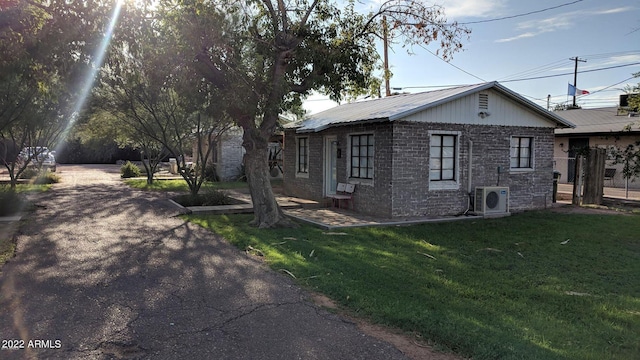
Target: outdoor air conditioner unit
column 492, row 200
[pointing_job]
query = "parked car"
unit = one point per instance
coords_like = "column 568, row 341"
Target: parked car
column 40, row 157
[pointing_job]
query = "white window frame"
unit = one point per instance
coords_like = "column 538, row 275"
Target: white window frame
column 446, row 184
column 532, row 155
column 300, row 174
column 359, row 180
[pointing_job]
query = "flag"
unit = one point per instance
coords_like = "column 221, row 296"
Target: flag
column 574, row 91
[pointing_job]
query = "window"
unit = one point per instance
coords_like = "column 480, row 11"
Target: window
column 303, row 155
column 362, row 156
column 521, row 152
column 442, row 162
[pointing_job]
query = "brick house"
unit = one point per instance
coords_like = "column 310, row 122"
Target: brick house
column 424, row 154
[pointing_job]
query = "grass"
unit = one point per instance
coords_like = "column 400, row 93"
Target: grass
column 12, row 203
column 7, row 243
column 536, row 285
column 180, row 185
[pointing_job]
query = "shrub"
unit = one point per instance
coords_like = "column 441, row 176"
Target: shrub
column 10, row 201
column 46, row 178
column 29, row 173
column 210, row 173
column 129, row 170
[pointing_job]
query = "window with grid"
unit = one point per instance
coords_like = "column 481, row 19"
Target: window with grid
column 442, row 162
column 362, row 156
column 521, row 152
column 303, row 155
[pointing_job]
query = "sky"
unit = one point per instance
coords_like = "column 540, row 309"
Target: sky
column 512, row 40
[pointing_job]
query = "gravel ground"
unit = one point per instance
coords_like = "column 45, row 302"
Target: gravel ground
column 106, row 272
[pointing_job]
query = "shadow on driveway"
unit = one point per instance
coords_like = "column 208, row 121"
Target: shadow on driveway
column 103, row 271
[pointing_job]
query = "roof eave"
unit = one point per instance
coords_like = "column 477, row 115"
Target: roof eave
column 356, row 122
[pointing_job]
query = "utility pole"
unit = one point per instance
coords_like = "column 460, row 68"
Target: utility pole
column 386, row 56
column 575, row 78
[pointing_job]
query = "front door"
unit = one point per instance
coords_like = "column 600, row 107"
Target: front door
column 575, row 146
column 330, row 165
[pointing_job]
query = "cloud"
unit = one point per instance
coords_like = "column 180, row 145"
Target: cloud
column 456, row 9
column 613, row 11
column 561, row 21
column 624, row 59
column 518, row 37
column 534, row 28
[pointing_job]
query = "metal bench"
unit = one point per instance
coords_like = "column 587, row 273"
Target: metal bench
column 344, row 192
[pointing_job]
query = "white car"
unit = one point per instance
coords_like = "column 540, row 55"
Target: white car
column 40, row 157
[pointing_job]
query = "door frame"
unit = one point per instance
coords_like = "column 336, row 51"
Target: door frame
column 330, row 164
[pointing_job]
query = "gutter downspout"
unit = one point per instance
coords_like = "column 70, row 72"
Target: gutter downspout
column 469, row 177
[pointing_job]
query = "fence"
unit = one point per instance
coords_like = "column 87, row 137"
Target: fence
column 566, row 167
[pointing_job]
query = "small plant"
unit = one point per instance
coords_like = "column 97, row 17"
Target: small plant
column 29, row 173
column 130, row 170
column 46, row 177
column 210, row 173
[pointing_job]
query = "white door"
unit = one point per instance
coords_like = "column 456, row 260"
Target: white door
column 330, row 165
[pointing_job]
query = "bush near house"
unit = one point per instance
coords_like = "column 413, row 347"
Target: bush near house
column 130, row 170
column 536, row 285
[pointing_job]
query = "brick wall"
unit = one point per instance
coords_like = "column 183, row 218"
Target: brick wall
column 230, row 153
column 491, row 145
column 370, row 196
column 401, row 168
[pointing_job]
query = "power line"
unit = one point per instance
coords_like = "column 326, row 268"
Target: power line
column 536, row 70
column 549, row 66
column 447, row 62
column 564, row 74
column 610, row 86
column 520, row 15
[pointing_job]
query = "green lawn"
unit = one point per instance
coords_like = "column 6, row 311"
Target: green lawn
column 180, row 185
column 537, row 285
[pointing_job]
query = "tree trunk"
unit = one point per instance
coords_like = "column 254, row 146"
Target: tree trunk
column 267, row 212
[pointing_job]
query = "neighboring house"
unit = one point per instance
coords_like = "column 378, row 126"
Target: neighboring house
column 602, row 127
column 424, row 154
column 227, row 154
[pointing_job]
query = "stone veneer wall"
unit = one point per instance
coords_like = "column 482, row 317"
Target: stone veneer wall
column 400, row 187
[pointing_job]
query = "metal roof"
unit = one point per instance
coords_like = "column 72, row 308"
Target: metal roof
column 400, row 106
column 597, row 121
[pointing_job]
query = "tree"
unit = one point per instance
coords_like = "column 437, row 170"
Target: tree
column 629, row 157
column 267, row 55
column 161, row 104
column 45, row 47
column 39, row 126
column 634, row 95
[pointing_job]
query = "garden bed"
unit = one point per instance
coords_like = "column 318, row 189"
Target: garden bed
column 210, row 198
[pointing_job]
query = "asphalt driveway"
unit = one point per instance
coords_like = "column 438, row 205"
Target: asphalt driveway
column 106, row 272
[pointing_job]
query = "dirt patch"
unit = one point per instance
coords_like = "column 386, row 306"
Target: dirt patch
column 410, row 346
